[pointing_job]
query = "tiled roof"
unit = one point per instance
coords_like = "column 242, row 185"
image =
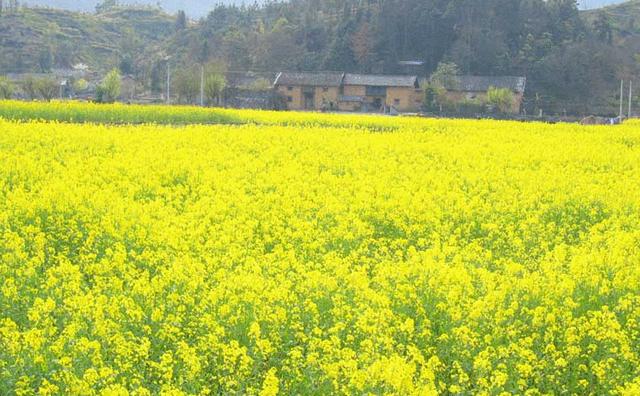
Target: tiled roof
column 310, row 79
column 381, row 81
column 483, row 83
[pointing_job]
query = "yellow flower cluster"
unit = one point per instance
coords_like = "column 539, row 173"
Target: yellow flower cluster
column 119, row 113
column 394, row 256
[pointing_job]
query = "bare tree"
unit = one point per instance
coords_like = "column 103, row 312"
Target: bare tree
column 48, row 88
column 29, row 86
column 6, row 88
column 187, row 85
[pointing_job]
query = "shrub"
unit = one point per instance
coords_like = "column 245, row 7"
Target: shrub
column 80, row 85
column 6, row 88
column 47, row 87
column 500, row 99
column 109, row 90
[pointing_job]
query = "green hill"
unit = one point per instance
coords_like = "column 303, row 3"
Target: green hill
column 35, row 40
column 624, row 22
column 625, row 17
column 573, row 60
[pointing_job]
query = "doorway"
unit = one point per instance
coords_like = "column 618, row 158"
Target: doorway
column 377, row 104
column 309, row 101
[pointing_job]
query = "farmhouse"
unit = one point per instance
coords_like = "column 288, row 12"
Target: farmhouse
column 349, row 92
column 476, row 88
column 309, row 91
column 335, row 91
column 364, row 92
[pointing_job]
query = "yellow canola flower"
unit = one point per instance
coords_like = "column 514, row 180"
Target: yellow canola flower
column 291, row 253
column 270, row 384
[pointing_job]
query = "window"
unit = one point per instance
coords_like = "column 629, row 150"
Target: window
column 289, row 99
column 376, row 91
column 325, row 89
column 289, row 88
column 396, row 102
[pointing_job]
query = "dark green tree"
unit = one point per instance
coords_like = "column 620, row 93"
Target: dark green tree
column 45, row 59
column 106, row 5
column 603, row 27
column 181, row 20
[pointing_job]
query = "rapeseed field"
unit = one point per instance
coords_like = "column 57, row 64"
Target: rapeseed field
column 319, row 255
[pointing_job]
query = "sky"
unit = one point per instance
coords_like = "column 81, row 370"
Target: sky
column 597, row 3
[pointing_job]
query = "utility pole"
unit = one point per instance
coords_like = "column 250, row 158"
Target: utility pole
column 621, row 97
column 630, row 97
column 202, row 86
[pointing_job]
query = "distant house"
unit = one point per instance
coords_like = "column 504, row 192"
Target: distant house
column 248, row 80
column 476, row 87
column 251, row 90
column 373, row 93
column 309, row 91
column 349, row 92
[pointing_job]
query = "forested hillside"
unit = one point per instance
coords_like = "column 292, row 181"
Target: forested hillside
column 200, row 8
column 572, row 59
column 194, row 9
column 37, row 40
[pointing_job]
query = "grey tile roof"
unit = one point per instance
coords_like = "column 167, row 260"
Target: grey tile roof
column 328, row 79
column 381, row 81
column 483, row 83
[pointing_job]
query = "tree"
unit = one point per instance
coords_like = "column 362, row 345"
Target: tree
column 1, row 7
column 339, row 55
column 181, row 20
column 236, row 50
column 45, row 60
column 65, row 53
column 603, row 27
column 362, row 46
column 109, row 90
column 127, row 64
column 431, row 97
column 6, row 88
column 80, row 85
column 187, row 84
column 106, row 5
column 436, row 99
column 47, row 87
column 130, row 46
column 501, row 99
column 446, row 75
column 30, row 88
column 278, row 47
column 214, row 84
